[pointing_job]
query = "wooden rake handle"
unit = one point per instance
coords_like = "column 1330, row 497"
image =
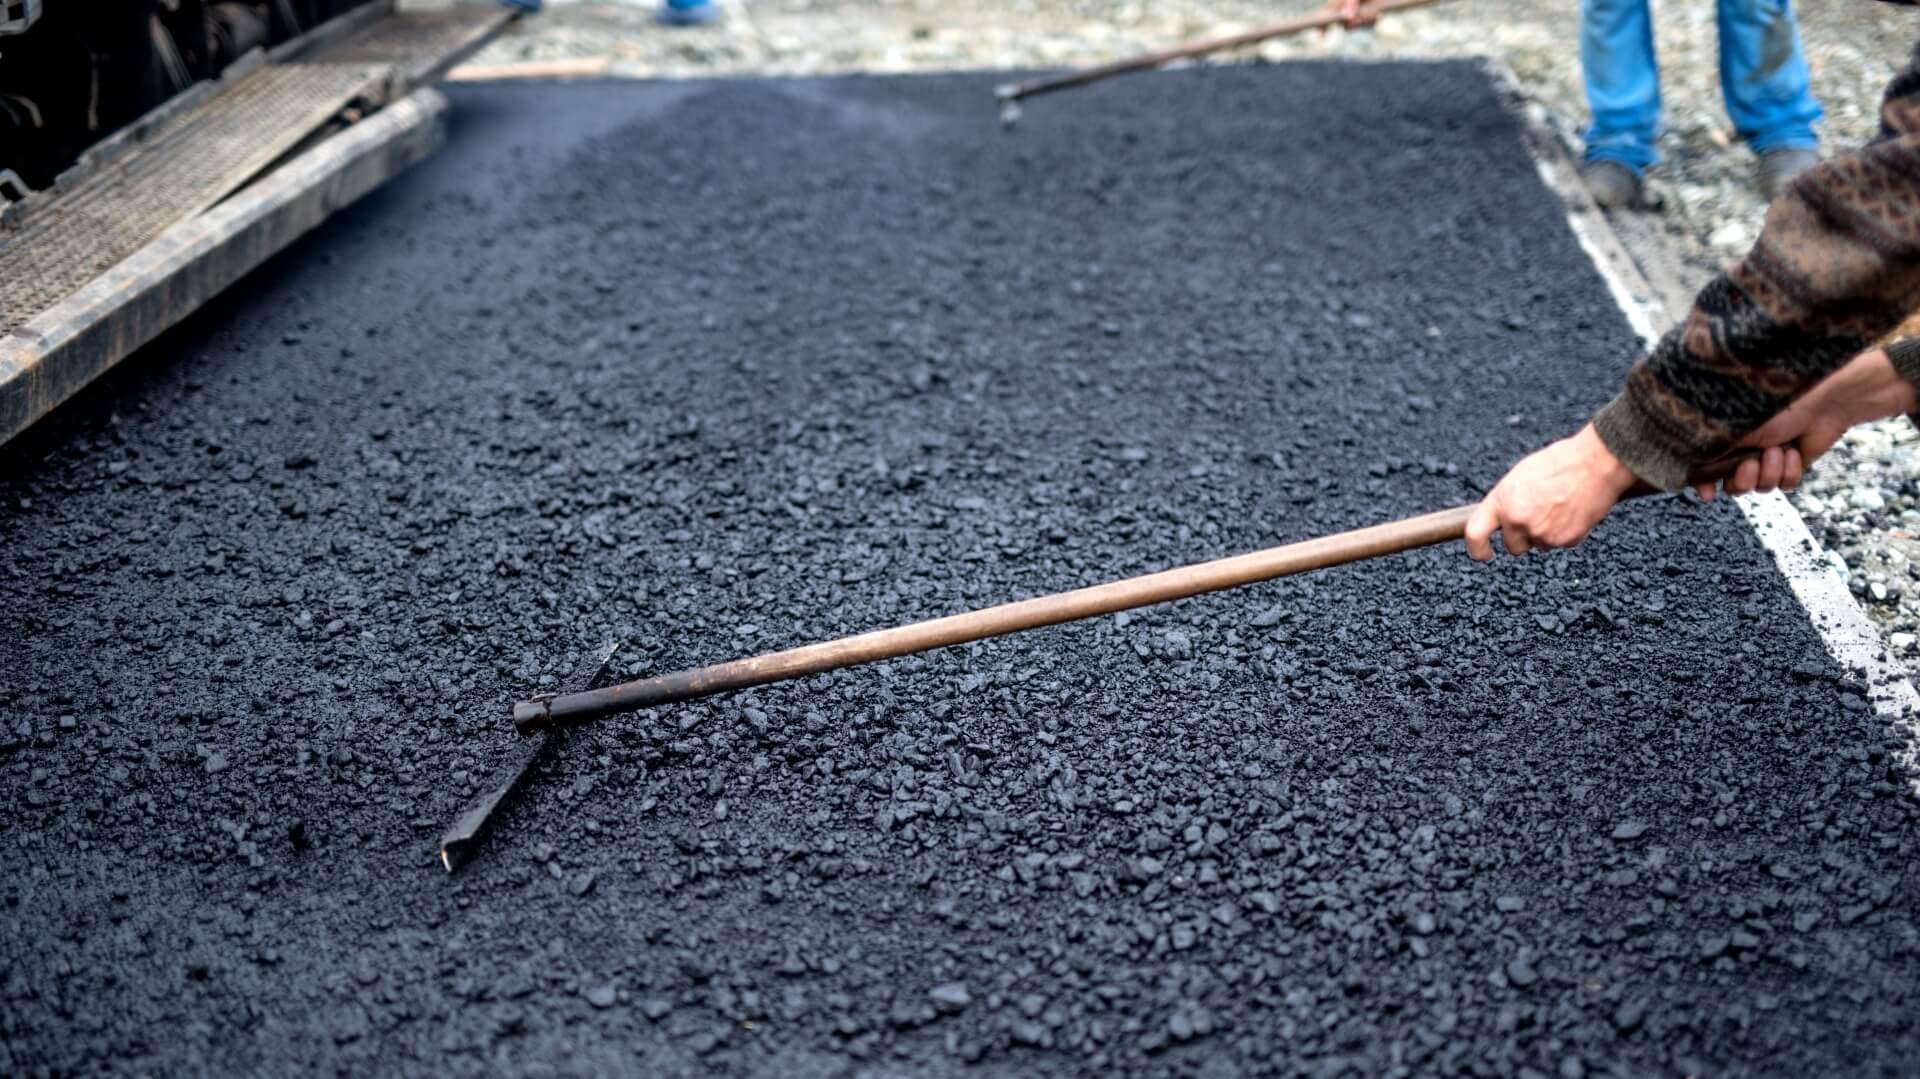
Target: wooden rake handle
column 1426, row 530
column 1361, row 543
column 1146, row 61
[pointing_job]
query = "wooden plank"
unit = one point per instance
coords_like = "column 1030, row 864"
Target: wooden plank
column 52, row 356
column 572, row 67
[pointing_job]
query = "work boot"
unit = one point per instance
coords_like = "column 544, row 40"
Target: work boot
column 1779, row 167
column 1613, row 185
column 687, row 13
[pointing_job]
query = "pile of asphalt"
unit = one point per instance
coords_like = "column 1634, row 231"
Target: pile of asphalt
column 712, row 368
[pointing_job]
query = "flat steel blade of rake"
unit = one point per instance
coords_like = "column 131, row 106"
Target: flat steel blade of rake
column 458, row 845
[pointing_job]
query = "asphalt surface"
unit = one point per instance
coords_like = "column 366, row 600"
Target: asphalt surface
column 713, row 368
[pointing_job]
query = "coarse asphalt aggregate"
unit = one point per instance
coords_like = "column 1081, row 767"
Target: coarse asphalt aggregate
column 717, row 367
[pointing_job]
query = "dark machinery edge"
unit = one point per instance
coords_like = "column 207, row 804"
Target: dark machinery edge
column 74, row 72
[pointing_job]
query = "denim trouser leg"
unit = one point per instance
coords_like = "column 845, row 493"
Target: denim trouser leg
column 1763, row 75
column 1623, row 80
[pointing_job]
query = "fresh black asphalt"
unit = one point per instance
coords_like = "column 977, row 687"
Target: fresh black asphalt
column 712, row 368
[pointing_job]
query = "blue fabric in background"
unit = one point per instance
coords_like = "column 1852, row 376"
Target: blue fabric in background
column 1763, row 78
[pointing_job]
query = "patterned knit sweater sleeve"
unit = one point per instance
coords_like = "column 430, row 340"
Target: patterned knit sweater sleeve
column 1836, row 267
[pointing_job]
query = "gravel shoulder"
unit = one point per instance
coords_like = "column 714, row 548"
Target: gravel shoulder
column 1863, row 503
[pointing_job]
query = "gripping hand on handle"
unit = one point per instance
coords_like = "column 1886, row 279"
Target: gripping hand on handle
column 1354, row 14
column 1555, row 496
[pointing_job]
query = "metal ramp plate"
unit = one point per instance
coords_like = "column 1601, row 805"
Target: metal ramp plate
column 181, row 203
column 188, row 164
column 421, row 45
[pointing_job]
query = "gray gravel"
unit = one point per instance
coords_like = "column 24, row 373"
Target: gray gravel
column 1861, row 503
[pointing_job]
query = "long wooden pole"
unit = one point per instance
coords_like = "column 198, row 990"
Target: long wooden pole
column 1362, row 543
column 1014, row 91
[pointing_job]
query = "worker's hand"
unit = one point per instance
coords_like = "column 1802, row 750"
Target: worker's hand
column 1778, row 467
column 1552, row 498
column 1354, row 14
column 1867, row 388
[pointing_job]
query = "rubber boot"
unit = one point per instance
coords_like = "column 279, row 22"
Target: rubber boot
column 1613, row 185
column 1779, row 167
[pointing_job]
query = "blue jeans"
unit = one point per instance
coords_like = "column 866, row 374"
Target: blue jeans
column 1763, row 78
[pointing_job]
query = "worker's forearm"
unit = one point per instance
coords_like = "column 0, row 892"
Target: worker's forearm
column 1836, row 267
column 1635, row 437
